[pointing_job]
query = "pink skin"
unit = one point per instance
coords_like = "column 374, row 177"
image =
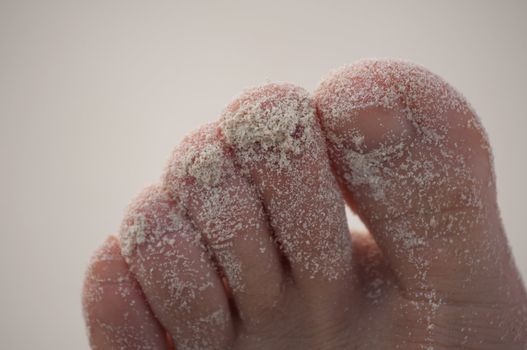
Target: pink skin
column 244, row 243
column 115, row 321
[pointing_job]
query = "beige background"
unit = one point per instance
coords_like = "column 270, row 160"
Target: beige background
column 94, row 95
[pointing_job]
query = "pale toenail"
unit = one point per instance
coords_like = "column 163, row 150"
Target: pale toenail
column 372, row 128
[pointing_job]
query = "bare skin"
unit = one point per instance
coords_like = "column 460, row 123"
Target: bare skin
column 244, row 242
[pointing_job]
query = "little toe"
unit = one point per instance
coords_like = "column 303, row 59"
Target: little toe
column 226, row 209
column 116, row 313
column 415, row 163
column 170, row 262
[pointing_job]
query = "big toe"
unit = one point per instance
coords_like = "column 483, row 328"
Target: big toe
column 414, row 162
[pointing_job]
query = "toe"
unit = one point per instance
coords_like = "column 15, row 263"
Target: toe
column 116, row 313
column 166, row 254
column 278, row 145
column 225, row 208
column 414, row 162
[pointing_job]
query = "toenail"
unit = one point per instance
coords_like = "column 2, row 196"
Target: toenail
column 373, row 128
column 106, row 266
column 272, row 124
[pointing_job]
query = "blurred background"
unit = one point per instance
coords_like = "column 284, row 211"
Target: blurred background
column 95, row 94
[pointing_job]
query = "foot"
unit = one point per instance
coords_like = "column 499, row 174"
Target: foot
column 244, row 243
